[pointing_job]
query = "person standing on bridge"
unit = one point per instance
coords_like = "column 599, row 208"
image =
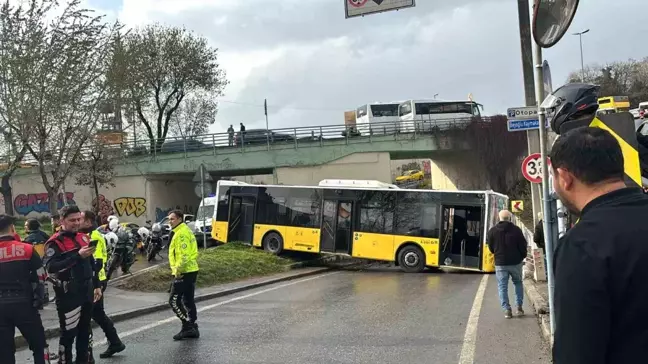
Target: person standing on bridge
column 230, row 135
column 183, row 259
column 506, row 241
column 600, row 263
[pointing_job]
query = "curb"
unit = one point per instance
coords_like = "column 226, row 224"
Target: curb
column 52, row 332
column 540, row 305
column 541, row 309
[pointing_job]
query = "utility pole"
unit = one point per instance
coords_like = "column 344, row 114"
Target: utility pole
column 533, row 138
column 580, row 37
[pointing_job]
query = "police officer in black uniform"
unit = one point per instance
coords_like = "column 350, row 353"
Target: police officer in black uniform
column 69, row 261
column 21, row 295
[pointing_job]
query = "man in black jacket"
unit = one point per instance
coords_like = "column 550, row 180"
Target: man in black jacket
column 600, row 264
column 507, row 243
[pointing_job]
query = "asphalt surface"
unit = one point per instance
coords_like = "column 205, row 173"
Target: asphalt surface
column 370, row 316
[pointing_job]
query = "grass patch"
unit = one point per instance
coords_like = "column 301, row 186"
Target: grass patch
column 224, row 264
column 46, row 226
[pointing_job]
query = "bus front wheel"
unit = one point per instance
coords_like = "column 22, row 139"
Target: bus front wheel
column 273, row 243
column 411, row 259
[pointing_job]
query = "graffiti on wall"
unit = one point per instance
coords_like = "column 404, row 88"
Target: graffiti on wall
column 24, row 204
column 104, row 207
column 130, row 206
column 162, row 213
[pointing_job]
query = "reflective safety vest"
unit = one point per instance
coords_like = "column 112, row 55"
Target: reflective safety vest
column 100, row 253
column 183, row 250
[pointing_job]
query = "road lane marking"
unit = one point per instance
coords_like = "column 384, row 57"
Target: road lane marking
column 470, row 337
column 153, row 325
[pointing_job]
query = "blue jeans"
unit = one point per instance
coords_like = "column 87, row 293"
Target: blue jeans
column 502, row 272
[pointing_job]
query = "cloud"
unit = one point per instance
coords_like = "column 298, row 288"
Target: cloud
column 312, row 64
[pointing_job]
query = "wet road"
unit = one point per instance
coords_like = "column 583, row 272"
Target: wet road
column 371, row 316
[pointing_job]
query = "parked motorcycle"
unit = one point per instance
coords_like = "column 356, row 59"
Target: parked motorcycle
column 123, row 253
column 154, row 242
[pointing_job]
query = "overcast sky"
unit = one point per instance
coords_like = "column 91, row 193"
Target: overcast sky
column 312, row 64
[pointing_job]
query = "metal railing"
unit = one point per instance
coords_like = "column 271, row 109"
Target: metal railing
column 258, row 140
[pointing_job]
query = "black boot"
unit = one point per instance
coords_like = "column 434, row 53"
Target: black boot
column 189, row 331
column 112, row 350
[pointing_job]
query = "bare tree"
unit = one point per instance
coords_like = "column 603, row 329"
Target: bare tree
column 163, row 68
column 18, row 34
column 96, row 168
column 624, row 78
column 61, row 83
column 194, row 116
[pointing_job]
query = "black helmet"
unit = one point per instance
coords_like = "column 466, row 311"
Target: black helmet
column 572, row 102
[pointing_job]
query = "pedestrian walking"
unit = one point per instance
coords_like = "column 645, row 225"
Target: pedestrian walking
column 21, row 295
column 183, row 259
column 506, row 241
column 115, row 345
column 600, row 295
column 69, row 261
column 56, row 222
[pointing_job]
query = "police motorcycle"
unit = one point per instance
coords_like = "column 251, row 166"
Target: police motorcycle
column 154, row 242
column 122, row 254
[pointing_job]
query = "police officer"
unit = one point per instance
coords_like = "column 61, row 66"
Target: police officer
column 21, row 294
column 69, row 261
column 115, row 345
column 183, row 255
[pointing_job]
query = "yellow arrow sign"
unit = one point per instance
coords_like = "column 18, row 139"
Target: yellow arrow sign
column 517, row 206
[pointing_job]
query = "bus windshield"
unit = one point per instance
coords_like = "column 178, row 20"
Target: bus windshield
column 384, row 110
column 405, row 108
column 205, row 212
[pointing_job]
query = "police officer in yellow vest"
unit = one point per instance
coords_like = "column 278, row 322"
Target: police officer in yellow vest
column 183, row 259
column 115, row 345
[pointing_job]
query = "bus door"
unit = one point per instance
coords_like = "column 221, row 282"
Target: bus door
column 336, row 227
column 461, row 236
column 241, row 219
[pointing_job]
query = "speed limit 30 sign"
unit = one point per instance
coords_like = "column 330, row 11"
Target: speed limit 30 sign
column 532, row 168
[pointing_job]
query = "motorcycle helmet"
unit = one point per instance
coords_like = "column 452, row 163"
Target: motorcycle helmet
column 572, row 102
column 113, row 225
column 143, row 233
column 156, row 228
column 111, row 238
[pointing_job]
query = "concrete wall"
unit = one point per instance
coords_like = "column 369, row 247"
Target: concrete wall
column 133, row 199
column 372, row 166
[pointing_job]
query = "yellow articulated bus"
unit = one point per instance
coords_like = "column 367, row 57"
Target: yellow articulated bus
column 362, row 219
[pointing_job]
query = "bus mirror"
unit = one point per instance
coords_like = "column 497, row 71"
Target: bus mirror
column 551, row 19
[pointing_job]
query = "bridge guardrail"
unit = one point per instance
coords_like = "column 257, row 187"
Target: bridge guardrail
column 281, row 138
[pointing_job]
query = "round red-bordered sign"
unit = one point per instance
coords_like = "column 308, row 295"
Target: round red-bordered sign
column 357, row 3
column 532, row 168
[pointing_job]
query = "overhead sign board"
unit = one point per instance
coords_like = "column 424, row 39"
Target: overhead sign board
column 353, row 8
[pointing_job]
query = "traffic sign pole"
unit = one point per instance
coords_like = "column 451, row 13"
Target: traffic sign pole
column 202, row 193
column 548, row 220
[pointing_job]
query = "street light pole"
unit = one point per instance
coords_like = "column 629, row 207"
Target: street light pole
column 580, row 37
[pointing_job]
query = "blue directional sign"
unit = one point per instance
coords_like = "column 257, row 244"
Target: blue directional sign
column 523, row 118
column 519, row 125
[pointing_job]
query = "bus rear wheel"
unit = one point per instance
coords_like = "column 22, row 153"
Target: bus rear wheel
column 273, row 243
column 411, row 259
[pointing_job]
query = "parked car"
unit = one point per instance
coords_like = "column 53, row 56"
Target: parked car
column 261, row 136
column 182, row 145
column 413, row 175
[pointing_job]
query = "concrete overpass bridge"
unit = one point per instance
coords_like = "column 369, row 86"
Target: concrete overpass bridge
column 150, row 182
column 261, row 152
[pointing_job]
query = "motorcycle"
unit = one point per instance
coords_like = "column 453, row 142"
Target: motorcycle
column 122, row 253
column 154, row 242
